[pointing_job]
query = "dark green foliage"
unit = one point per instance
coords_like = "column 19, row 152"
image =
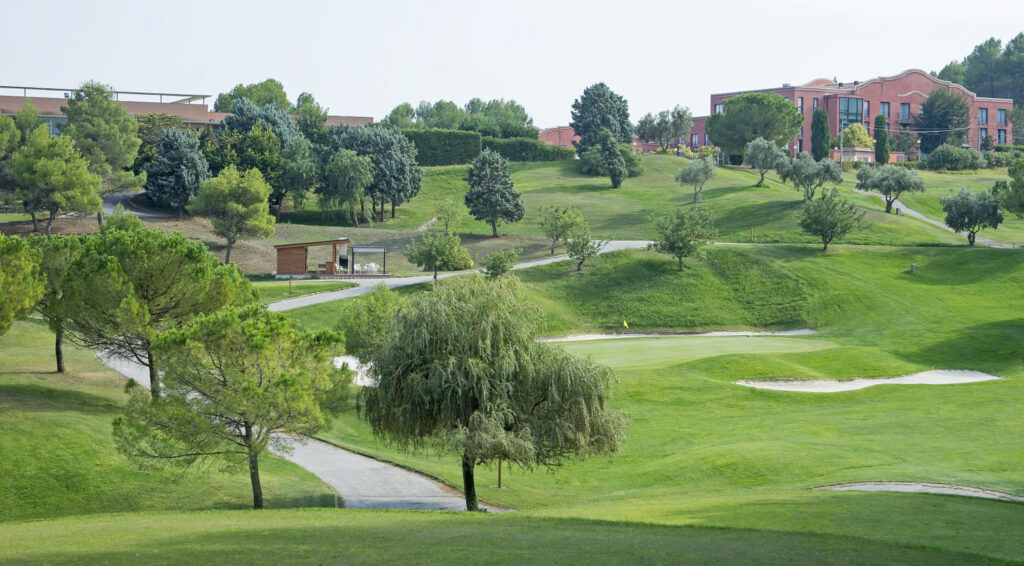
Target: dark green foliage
column 667, row 126
column 105, row 134
column 397, row 176
column 954, row 158
column 269, row 91
column 754, row 115
column 1011, row 195
column 597, row 109
column 500, row 262
column 611, row 159
column 944, row 118
column 311, row 119
column 905, row 141
column 881, row 140
column 526, row 149
column 346, row 175
column 682, row 234
column 257, row 148
column 497, row 118
column 590, row 162
column 444, row 147
column 968, row 211
column 461, row 369
column 830, row 217
column 21, row 283
column 151, row 127
column 953, row 72
column 437, row 251
column 56, row 254
column 364, row 323
column 247, row 114
column 819, row 135
column 491, row 196
column 177, row 169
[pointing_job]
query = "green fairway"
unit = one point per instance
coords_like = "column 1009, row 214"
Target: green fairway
column 274, row 290
column 367, row 537
column 57, row 454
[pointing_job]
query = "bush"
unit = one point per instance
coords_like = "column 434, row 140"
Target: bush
column 1010, row 148
column 953, row 158
column 526, row 149
column 994, row 159
column 591, row 163
column 444, row 147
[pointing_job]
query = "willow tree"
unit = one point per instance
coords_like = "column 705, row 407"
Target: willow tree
column 461, row 369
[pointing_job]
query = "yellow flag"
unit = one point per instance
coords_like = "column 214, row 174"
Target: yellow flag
column 624, row 324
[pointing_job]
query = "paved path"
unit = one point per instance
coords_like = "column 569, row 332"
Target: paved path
column 364, row 483
column 110, row 202
column 915, row 214
column 366, row 285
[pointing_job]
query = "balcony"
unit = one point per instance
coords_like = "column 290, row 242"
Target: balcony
column 906, row 119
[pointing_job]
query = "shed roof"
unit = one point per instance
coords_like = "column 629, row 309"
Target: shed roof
column 318, row 243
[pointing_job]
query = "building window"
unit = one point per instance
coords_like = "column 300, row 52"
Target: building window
column 799, row 146
column 883, row 107
column 867, row 110
column 1002, row 137
column 718, row 109
column 851, row 111
column 982, row 134
column 1001, row 117
column 694, row 140
column 815, row 104
column 904, row 111
column 983, row 115
column 800, row 103
column 707, row 140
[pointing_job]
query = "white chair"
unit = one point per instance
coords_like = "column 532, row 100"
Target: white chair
column 358, row 268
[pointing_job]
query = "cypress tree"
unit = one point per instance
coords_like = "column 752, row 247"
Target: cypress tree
column 881, row 140
column 819, row 135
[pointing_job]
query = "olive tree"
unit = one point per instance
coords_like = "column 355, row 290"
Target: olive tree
column 808, row 175
column 970, row 212
column 558, row 221
column 762, row 155
column 830, row 217
column 697, row 173
column 461, row 368
column 235, row 381
column 581, row 246
column 438, row 250
column 681, row 234
column 890, row 181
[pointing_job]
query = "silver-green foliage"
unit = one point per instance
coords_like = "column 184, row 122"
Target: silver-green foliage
column 762, row 155
column 830, row 217
column 681, row 234
column 890, row 181
column 968, row 211
column 697, row 173
column 808, row 175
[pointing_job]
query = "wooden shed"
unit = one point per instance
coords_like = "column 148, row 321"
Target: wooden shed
column 293, row 259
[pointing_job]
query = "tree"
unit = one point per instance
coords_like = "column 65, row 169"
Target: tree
column 236, row 204
column 697, row 172
column 500, row 263
column 680, row 122
column 762, row 155
column 881, row 140
column 1011, row 195
column 301, row 171
column 257, row 148
column 597, row 109
column 10, row 139
column 27, row 119
column 177, row 169
column 807, row 175
column 51, row 176
column 397, row 177
column 236, row 381
column 402, row 116
column 944, row 118
column 151, row 127
column 982, row 69
column 449, row 212
column 681, row 234
column 346, row 175
column 57, row 254
column 953, row 72
column 890, row 181
column 667, row 126
column 269, row 91
column 581, row 246
column 311, row 119
column 820, row 138
column 21, row 283
column 905, row 141
column 132, row 284
column 506, row 396
column 106, row 135
column 855, row 135
column 611, row 159
column 438, row 250
column 647, row 129
column 121, row 219
column 749, row 116
column 491, row 196
column 970, row 212
column 365, row 323
column 830, row 217
column 558, row 222
column 498, row 118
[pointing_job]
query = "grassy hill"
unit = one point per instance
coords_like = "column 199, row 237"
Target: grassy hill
column 57, row 453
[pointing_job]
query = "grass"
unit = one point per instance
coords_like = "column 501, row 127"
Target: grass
column 352, row 537
column 57, row 455
column 704, row 451
column 272, row 291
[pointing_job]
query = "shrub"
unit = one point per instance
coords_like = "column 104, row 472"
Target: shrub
column 526, row 149
column 1009, row 148
column 994, row 159
column 953, row 158
column 591, row 163
column 444, row 147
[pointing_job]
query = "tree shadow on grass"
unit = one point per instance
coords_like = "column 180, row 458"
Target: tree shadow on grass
column 32, row 397
column 995, row 347
column 776, row 213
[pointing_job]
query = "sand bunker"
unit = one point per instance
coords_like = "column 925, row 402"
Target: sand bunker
column 923, row 487
column 933, row 377
column 360, row 378
column 585, row 337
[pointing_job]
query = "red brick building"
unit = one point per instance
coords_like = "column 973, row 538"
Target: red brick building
column 898, row 98
column 559, row 135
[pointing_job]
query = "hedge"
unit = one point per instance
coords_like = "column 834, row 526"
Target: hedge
column 1010, row 148
column 444, row 147
column 527, row 149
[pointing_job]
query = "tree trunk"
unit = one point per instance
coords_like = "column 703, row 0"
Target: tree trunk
column 680, row 263
column 696, row 195
column 435, row 273
column 468, row 484
column 154, row 379
column 970, row 238
column 181, row 211
column 362, row 209
column 49, row 223
column 58, row 348
column 494, row 229
column 392, row 209
column 227, row 254
column 824, row 248
column 254, row 471
column 761, row 182
column 35, row 221
column 99, row 217
column 888, row 205
column 579, row 266
column 553, row 243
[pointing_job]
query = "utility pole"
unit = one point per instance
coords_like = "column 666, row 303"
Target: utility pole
column 841, row 131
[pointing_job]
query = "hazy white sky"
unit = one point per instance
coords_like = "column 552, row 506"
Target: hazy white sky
column 363, row 58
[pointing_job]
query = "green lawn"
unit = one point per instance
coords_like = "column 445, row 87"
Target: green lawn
column 368, row 537
column 57, row 455
column 704, row 451
column 271, row 291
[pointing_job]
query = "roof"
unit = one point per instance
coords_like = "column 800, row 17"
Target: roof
column 318, row 243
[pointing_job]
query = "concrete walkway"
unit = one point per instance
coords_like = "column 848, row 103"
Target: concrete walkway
column 364, row 483
column 915, row 214
column 110, row 202
column 366, row 285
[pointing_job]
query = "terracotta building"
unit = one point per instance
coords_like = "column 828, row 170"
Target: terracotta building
column 559, row 135
column 191, row 108
column 898, row 98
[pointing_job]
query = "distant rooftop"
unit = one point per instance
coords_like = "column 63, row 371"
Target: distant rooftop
column 181, row 98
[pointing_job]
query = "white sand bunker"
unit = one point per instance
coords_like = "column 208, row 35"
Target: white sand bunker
column 360, row 378
column 613, row 336
column 933, row 377
column 924, row 487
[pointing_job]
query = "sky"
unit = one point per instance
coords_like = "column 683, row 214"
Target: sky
column 363, row 58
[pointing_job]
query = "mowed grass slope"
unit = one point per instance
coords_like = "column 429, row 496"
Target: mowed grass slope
column 702, row 450
column 57, row 454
